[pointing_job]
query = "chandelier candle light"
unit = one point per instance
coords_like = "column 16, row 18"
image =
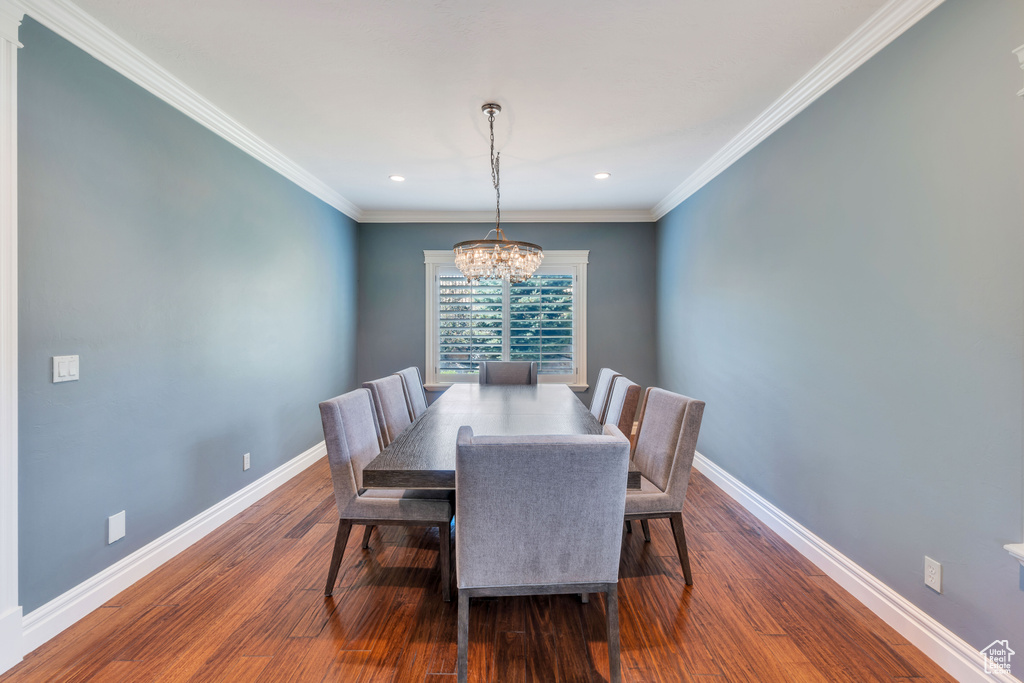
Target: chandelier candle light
column 499, row 258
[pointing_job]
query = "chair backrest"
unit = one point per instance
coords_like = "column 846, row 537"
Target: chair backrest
column 414, row 389
column 602, row 389
column 666, row 440
column 353, row 439
column 622, row 402
column 539, row 510
column 508, row 372
column 391, row 402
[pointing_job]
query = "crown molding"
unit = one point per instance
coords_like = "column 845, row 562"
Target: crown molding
column 10, row 19
column 76, row 26
column 552, row 257
column 884, row 26
column 597, row 216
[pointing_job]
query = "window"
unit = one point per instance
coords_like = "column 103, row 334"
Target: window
column 542, row 319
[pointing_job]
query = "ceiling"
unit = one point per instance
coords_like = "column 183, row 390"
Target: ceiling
column 356, row 90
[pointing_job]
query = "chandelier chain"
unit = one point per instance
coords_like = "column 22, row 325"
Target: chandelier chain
column 495, row 176
column 500, row 258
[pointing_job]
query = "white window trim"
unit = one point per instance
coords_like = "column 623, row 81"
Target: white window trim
column 575, row 260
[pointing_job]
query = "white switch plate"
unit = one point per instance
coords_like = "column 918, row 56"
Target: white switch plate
column 245, row 462
column 65, row 368
column 115, row 527
column 932, row 574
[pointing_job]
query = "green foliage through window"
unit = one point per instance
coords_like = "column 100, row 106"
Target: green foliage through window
column 490, row 320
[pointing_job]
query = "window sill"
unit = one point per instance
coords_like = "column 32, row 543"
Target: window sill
column 578, row 388
column 1017, row 551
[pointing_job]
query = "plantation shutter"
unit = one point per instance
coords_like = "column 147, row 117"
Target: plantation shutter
column 543, row 319
column 470, row 325
column 541, row 322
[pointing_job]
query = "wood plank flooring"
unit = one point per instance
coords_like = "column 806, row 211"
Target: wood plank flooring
column 246, row 604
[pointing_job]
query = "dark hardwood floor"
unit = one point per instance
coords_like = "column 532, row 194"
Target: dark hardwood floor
column 246, row 604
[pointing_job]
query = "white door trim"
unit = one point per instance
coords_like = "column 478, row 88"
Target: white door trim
column 10, row 611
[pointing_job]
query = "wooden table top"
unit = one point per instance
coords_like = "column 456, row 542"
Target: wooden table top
column 423, row 456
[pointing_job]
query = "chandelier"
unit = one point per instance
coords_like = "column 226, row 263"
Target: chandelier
column 497, row 258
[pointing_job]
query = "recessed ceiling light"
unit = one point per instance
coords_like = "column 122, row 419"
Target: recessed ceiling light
column 397, row 178
column 602, row 176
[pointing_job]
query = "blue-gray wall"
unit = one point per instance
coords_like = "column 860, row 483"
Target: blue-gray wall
column 620, row 293
column 848, row 299
column 212, row 303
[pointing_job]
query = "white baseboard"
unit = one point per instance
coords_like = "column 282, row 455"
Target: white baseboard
column 943, row 646
column 45, row 622
column 11, row 642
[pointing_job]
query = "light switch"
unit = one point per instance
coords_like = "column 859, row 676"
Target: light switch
column 65, row 368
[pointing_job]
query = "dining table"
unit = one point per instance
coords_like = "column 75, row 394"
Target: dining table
column 423, row 455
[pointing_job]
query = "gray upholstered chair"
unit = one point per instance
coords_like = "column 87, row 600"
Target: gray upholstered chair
column 391, row 401
column 414, row 390
column 508, row 372
column 622, row 402
column 602, row 389
column 353, row 439
column 666, row 439
column 539, row 515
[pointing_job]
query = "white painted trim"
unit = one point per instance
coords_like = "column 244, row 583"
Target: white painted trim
column 595, row 216
column 578, row 388
column 1016, row 550
column 575, row 259
column 75, row 25
column 11, row 646
column 883, row 27
column 558, row 257
column 47, row 621
column 1020, row 57
column 943, row 646
column 11, row 14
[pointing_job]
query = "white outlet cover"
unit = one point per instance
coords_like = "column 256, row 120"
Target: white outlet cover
column 65, row 369
column 932, row 574
column 115, row 527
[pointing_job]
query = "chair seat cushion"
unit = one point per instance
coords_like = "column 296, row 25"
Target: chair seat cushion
column 399, row 505
column 649, row 499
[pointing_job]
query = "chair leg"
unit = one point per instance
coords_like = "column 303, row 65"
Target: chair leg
column 684, row 559
column 647, row 530
column 340, row 541
column 463, row 638
column 612, row 607
column 629, row 527
column 366, row 536
column 445, row 531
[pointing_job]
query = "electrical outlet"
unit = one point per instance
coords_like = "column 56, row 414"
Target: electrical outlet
column 115, row 527
column 245, row 462
column 932, row 574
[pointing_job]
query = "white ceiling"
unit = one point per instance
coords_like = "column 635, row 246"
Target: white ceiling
column 355, row 90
